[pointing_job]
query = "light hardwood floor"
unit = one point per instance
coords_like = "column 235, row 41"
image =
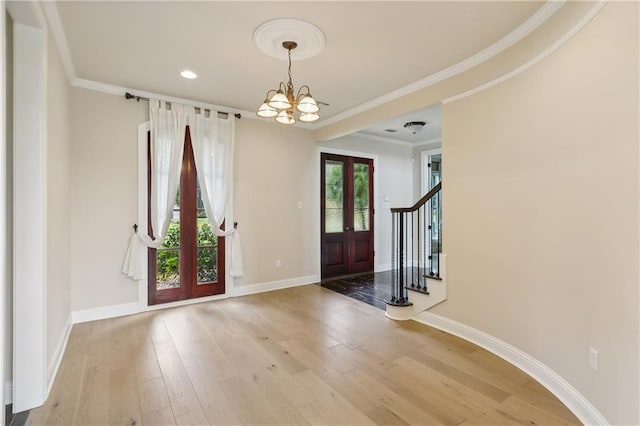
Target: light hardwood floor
column 304, row 355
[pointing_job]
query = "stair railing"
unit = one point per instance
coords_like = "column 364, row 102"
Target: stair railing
column 416, row 239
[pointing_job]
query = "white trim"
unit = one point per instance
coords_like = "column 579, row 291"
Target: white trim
column 124, row 309
column 55, row 25
column 104, row 312
column 56, row 360
column 185, row 302
column 537, row 19
column 8, row 393
column 378, row 138
column 316, row 191
column 545, row 53
column 382, row 267
column 4, row 391
column 114, row 311
column 424, row 155
column 566, row 393
column 142, row 222
column 30, row 216
column 433, row 141
column 246, row 290
column 120, row 91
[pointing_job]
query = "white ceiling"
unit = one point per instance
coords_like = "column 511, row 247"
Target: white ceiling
column 372, row 48
column 430, row 133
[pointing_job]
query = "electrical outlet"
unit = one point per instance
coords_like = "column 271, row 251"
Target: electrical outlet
column 278, row 263
column 593, row 359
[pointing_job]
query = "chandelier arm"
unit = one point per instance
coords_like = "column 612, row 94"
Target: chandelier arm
column 308, row 112
column 300, row 91
column 274, row 91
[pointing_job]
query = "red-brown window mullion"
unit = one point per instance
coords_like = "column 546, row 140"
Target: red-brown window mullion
column 151, row 253
column 188, row 220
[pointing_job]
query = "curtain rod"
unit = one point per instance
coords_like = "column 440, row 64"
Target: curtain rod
column 129, row 95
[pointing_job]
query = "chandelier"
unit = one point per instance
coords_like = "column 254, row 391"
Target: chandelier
column 414, row 127
column 281, row 103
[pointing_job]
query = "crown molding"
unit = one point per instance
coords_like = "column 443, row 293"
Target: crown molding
column 377, row 138
column 120, row 91
column 384, row 139
column 538, row 18
column 55, row 25
column 545, row 53
column 429, row 142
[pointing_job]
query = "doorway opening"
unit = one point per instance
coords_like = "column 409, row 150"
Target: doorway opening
column 346, row 223
column 431, row 169
column 190, row 262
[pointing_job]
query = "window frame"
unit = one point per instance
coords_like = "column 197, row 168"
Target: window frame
column 143, row 221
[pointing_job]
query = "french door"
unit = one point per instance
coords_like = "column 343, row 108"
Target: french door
column 346, row 202
column 190, row 262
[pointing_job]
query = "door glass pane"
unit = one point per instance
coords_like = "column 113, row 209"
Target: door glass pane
column 436, row 177
column 168, row 254
column 333, row 201
column 207, row 246
column 436, row 169
column 361, row 197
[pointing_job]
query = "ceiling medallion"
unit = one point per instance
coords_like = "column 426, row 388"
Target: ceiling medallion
column 278, row 38
column 270, row 35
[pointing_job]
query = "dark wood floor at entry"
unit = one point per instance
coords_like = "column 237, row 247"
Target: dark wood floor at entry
column 369, row 288
column 304, row 355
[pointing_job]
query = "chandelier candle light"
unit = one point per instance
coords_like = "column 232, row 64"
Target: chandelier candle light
column 281, row 103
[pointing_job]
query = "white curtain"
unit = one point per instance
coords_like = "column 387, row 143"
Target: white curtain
column 168, row 127
column 212, row 141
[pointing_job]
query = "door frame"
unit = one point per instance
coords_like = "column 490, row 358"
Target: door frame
column 143, row 291
column 32, row 371
column 318, row 236
column 424, row 159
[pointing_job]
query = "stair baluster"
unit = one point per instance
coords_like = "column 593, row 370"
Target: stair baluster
column 416, row 234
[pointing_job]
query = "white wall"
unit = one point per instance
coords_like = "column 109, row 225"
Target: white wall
column 273, row 170
column 103, row 195
column 57, row 205
column 394, row 179
column 541, row 215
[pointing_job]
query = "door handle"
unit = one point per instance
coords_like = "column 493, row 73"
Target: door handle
column 346, row 228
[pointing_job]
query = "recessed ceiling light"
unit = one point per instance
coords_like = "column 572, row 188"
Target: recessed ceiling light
column 188, row 74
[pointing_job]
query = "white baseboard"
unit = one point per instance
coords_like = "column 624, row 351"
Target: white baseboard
column 382, row 267
column 104, row 312
column 181, row 303
column 8, row 392
column 574, row 400
column 274, row 285
column 114, row 311
column 54, row 363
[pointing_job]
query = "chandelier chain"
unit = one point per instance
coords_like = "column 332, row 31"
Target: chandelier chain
column 289, row 66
